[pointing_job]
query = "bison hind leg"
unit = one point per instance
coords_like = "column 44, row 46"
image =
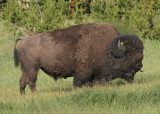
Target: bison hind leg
column 28, row 77
column 23, row 83
column 32, row 77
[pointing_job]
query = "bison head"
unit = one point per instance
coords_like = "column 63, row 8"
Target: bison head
column 127, row 54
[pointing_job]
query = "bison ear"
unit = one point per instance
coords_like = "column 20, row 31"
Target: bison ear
column 117, row 48
column 121, row 45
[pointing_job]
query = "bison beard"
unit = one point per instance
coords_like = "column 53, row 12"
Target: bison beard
column 92, row 53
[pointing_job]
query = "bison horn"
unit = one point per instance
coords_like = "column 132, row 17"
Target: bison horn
column 141, row 70
column 117, row 47
column 121, row 46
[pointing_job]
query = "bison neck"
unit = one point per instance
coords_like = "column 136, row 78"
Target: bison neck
column 114, row 65
column 117, row 69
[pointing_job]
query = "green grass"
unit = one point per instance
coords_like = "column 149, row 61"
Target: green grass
column 116, row 97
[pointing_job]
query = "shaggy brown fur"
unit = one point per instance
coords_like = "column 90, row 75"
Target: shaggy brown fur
column 89, row 52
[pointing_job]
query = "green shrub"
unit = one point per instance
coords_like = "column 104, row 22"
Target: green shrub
column 54, row 14
column 142, row 16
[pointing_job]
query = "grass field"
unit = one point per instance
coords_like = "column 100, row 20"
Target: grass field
column 116, row 97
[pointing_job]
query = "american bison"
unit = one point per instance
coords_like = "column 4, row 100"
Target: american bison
column 91, row 53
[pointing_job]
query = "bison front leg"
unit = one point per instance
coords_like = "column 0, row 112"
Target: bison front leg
column 83, row 76
column 83, row 62
column 129, row 77
column 81, row 79
column 102, row 77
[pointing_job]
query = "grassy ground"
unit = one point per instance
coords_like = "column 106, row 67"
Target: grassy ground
column 117, row 97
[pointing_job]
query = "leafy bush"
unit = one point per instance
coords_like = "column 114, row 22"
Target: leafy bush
column 142, row 16
column 2, row 3
column 53, row 14
column 139, row 14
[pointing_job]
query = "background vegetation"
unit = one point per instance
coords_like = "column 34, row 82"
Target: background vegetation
column 116, row 97
column 42, row 15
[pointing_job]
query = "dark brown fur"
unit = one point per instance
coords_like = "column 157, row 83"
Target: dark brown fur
column 83, row 51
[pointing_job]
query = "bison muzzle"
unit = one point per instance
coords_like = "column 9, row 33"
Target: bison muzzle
column 91, row 53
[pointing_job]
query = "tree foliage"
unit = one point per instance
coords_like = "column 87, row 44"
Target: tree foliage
column 141, row 14
column 28, row 16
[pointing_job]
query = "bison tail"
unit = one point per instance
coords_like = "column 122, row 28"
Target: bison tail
column 16, row 53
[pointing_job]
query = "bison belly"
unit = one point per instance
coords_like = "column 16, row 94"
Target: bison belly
column 57, row 59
